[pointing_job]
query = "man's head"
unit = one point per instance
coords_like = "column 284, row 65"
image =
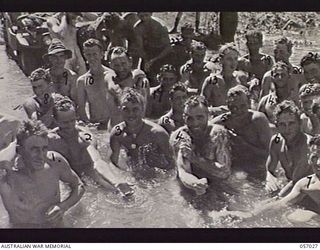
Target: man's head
column 195, row 115
column 311, row 67
column 64, row 113
column 178, row 95
column 187, row 31
column 254, row 41
column 314, row 154
column 167, row 76
column 228, row 55
column 238, row 101
column 57, row 54
column 198, row 51
column 40, row 80
column 93, row 52
column 282, row 49
column 32, row 144
column 132, row 106
column 316, row 107
column 145, row 16
column 120, row 62
column 280, row 74
column 307, row 93
column 287, row 116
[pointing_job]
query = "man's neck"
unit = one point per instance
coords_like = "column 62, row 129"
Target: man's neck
column 57, row 71
column 133, row 129
column 96, row 70
column 282, row 93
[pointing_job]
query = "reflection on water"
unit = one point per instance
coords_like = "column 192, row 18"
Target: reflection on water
column 157, row 202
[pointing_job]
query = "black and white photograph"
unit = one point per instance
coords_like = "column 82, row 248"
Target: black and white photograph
column 160, row 119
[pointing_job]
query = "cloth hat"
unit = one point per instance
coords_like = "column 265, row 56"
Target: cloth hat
column 57, row 46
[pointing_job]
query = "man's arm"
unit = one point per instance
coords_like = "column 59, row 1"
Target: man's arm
column 81, row 99
column 67, row 175
column 115, row 147
column 264, row 130
column 265, row 84
column 54, row 25
column 163, row 143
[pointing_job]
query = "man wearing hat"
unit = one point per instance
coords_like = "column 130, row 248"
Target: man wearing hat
column 63, row 27
column 63, row 79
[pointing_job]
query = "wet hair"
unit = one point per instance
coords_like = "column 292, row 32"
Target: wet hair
column 237, row 91
column 187, row 28
column 168, row 68
column 117, row 51
column 195, row 101
column 197, row 46
column 177, row 87
column 131, row 95
column 39, row 74
column 256, row 34
column 29, row 128
column 309, row 58
column 226, row 48
column 280, row 65
column 91, row 42
column 62, row 103
column 309, row 89
column 285, row 41
column 286, row 106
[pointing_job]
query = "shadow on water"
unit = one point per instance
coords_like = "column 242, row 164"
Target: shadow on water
column 156, row 203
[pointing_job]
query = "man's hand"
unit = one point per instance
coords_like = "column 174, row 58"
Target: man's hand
column 54, row 214
column 125, row 189
column 192, row 182
column 272, row 183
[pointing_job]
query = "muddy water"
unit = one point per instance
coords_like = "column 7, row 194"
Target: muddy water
column 156, row 203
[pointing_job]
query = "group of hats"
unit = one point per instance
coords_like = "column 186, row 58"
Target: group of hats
column 57, row 46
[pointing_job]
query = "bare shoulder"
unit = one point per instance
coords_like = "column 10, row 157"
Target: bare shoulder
column 267, row 75
column 177, row 135
column 117, row 130
column 258, row 116
column 30, row 103
column 213, row 79
column 57, row 161
column 82, row 78
column 155, row 129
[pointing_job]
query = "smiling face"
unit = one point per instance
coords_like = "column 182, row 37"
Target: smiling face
column 58, row 60
column 198, row 55
column 132, row 113
column 34, row 152
column 311, row 72
column 229, row 61
column 66, row 120
column 196, row 118
column 168, row 79
column 306, row 103
column 254, row 44
column 93, row 55
column 122, row 65
column 288, row 125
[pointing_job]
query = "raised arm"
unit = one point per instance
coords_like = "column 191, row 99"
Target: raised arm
column 81, row 99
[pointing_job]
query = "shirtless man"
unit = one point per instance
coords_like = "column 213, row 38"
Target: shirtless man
column 289, row 147
column 306, row 187
column 152, row 41
column 78, row 146
column 201, row 152
column 30, row 188
column 282, row 52
column 310, row 64
column 282, row 82
column 63, row 79
column 174, row 118
column 216, row 86
column 250, row 133
column 124, row 77
column 40, row 105
column 309, row 120
column 158, row 103
column 255, row 63
column 63, row 27
column 145, row 143
column 92, row 86
column 195, row 70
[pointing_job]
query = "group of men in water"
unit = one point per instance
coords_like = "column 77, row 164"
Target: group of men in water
column 255, row 115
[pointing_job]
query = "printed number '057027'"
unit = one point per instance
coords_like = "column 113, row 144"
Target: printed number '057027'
column 306, row 245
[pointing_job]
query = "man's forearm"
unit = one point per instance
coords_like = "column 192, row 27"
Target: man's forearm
column 76, row 194
column 213, row 168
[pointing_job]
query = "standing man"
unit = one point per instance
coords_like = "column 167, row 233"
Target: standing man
column 30, row 185
column 92, row 86
column 63, row 79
